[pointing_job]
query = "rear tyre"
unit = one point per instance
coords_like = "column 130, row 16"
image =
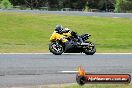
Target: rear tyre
column 91, row 49
column 56, row 49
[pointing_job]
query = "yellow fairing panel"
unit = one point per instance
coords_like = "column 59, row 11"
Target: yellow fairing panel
column 56, row 36
column 67, row 34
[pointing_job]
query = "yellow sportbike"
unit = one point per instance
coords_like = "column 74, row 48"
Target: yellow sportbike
column 71, row 43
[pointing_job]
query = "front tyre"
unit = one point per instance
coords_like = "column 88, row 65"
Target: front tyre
column 55, row 48
column 91, row 49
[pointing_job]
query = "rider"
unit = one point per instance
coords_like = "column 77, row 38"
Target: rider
column 58, row 34
column 66, row 32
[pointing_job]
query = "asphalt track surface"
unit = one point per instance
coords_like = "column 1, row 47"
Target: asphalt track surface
column 45, row 69
column 75, row 13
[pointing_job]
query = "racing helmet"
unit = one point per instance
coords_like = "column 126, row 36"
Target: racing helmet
column 58, row 28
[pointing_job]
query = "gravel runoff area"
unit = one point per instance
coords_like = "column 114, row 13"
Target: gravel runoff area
column 76, row 13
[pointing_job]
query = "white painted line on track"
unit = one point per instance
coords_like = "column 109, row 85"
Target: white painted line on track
column 69, row 72
column 113, row 53
column 25, row 53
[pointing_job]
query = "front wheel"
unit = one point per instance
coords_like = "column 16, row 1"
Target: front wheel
column 56, row 48
column 91, row 49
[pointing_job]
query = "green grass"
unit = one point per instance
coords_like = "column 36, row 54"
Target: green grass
column 100, row 86
column 24, row 32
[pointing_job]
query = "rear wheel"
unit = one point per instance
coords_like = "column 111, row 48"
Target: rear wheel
column 56, row 48
column 91, row 49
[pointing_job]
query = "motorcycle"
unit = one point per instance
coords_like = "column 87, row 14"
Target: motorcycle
column 58, row 47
